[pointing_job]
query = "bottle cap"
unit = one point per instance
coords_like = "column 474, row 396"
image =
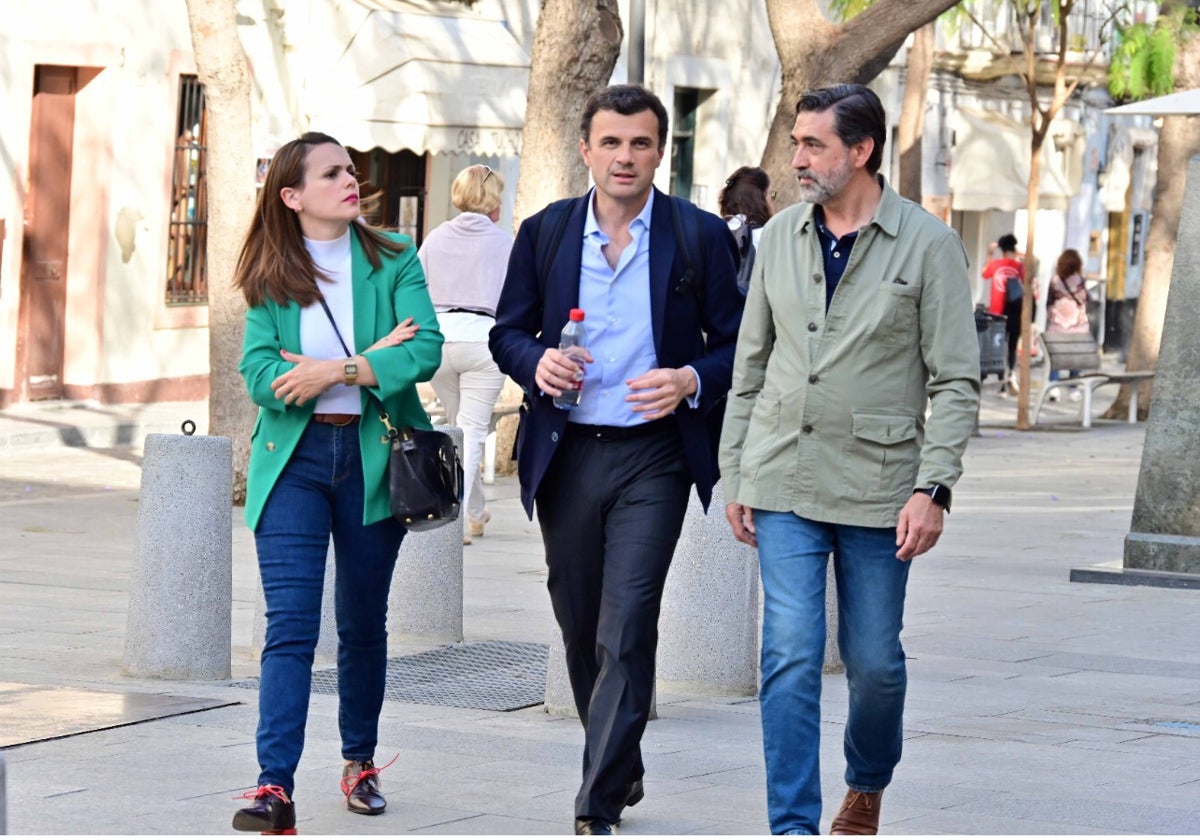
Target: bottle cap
column 576, row 315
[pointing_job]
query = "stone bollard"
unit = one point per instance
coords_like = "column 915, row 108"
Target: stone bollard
column 327, row 640
column 181, row 590
column 709, row 629
column 833, row 654
column 559, row 699
column 708, row 632
column 426, row 601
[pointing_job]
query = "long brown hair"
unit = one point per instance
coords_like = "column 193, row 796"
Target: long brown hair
column 1068, row 263
column 745, row 193
column 274, row 262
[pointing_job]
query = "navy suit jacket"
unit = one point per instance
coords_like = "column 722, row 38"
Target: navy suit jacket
column 689, row 329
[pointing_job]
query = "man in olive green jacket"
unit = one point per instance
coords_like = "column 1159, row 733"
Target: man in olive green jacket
column 858, row 319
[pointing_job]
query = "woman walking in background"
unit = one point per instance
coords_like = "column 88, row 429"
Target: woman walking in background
column 1067, row 299
column 745, row 205
column 1066, row 306
column 1006, row 274
column 336, row 309
column 465, row 260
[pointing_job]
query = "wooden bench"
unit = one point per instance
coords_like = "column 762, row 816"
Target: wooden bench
column 1078, row 351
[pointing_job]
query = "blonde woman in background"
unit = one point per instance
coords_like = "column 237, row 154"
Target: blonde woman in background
column 465, row 260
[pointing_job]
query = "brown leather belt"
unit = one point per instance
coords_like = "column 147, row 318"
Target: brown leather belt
column 335, row 419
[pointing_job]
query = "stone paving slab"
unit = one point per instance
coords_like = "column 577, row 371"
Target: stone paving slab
column 34, row 713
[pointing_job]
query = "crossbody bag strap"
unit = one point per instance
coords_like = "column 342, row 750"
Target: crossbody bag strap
column 383, row 415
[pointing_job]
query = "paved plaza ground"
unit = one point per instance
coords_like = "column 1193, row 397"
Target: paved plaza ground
column 1036, row 705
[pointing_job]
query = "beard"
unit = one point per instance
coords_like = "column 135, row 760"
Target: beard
column 825, row 187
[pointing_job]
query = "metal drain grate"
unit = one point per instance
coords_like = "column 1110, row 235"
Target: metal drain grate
column 497, row 676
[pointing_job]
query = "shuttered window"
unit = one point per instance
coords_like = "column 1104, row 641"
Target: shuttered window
column 187, row 276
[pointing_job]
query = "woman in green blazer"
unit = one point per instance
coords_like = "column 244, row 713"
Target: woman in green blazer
column 335, row 309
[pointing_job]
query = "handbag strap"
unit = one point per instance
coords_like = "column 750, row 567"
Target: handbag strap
column 383, row 415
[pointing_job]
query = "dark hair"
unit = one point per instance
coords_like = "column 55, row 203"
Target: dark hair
column 745, row 193
column 274, row 262
column 1069, row 262
column 1007, row 243
column 626, row 100
column 857, row 115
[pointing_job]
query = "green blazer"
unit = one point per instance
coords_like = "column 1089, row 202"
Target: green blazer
column 382, row 298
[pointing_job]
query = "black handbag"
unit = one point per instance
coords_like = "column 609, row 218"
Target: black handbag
column 425, row 474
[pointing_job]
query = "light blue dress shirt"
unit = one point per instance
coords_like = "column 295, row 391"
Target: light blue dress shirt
column 620, row 332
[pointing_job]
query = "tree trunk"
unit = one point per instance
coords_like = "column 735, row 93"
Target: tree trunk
column 574, row 51
column 1030, row 284
column 229, row 170
column 814, row 52
column 911, row 128
column 1178, row 140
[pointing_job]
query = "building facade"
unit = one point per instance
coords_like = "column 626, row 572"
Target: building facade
column 102, row 152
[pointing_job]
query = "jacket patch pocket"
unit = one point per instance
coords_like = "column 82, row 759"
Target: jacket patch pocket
column 763, row 445
column 881, row 456
column 897, row 310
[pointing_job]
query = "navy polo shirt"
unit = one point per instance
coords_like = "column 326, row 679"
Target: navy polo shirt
column 834, row 252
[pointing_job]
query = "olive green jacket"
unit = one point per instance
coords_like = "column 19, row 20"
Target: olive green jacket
column 827, row 413
column 382, row 298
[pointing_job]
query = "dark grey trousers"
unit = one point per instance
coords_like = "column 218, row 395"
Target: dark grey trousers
column 611, row 509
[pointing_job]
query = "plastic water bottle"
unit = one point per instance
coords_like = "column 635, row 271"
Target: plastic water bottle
column 573, row 343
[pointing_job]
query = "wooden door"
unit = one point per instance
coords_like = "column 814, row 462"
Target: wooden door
column 42, row 319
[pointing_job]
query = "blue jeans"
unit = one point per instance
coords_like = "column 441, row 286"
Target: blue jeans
column 321, row 493
column 793, row 553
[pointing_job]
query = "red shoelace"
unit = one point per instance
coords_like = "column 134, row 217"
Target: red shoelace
column 349, row 786
column 263, row 790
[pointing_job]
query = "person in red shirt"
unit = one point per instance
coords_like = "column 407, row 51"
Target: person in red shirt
column 1007, row 276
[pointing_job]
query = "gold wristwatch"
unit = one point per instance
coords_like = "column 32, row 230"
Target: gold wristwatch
column 351, row 372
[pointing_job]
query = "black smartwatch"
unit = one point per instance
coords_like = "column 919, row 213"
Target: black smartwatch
column 939, row 493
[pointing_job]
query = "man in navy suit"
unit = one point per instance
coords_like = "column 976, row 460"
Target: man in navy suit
column 612, row 476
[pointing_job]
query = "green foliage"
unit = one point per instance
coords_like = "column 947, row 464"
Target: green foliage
column 846, row 9
column 1144, row 59
column 843, row 10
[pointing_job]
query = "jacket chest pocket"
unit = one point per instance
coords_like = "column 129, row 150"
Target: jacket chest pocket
column 896, row 313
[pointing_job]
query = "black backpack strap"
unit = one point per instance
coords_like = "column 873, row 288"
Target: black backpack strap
column 555, row 215
column 685, row 216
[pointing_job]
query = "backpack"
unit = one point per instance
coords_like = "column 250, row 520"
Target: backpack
column 685, row 217
column 744, row 237
column 1013, row 290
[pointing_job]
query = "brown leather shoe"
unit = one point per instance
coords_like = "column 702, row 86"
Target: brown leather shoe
column 859, row 813
column 360, row 783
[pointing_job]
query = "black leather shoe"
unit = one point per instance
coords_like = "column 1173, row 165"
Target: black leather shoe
column 636, row 793
column 272, row 811
column 360, row 783
column 587, row 825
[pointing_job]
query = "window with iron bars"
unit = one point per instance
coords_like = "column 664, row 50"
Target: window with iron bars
column 187, row 275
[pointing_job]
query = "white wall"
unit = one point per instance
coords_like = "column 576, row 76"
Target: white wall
column 122, row 150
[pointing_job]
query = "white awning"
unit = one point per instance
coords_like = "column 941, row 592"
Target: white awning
column 429, row 83
column 1181, row 103
column 990, row 163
